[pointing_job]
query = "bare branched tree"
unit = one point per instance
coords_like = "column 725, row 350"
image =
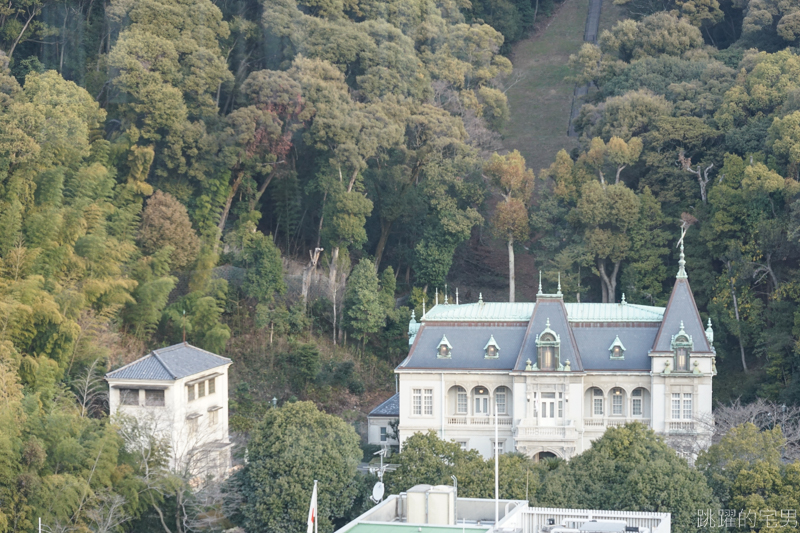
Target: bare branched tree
column 764, row 415
column 90, row 390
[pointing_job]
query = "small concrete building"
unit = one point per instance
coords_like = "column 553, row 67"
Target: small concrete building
column 438, row 509
column 181, row 394
column 380, row 421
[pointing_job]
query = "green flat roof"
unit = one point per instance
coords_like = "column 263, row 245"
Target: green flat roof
column 407, row 528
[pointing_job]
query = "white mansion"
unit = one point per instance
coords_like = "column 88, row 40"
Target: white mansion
column 179, row 393
column 558, row 374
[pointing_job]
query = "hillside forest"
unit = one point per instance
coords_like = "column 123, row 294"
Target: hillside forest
column 285, row 182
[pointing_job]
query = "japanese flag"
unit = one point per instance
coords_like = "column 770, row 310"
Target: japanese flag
column 312, row 511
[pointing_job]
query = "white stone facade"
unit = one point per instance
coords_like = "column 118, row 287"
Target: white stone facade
column 189, row 412
column 562, row 376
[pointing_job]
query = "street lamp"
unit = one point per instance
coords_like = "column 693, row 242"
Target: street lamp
column 274, row 401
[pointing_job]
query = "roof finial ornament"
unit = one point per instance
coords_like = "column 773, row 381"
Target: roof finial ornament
column 445, row 294
column 686, row 221
column 623, row 302
column 423, row 309
column 548, row 322
column 480, row 299
column 710, row 332
column 456, row 295
column 559, row 284
column 540, row 284
column 437, row 295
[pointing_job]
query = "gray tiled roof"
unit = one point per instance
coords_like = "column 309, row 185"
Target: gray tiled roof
column 390, row 407
column 169, row 364
column 593, row 343
column 468, row 343
column 555, row 312
column 681, row 307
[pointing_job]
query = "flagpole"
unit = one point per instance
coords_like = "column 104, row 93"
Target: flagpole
column 316, row 511
column 496, row 470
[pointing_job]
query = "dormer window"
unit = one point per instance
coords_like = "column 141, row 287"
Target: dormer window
column 617, row 349
column 682, row 347
column 445, row 349
column 491, row 350
column 548, row 344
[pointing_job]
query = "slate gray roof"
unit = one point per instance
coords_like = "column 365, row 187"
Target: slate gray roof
column 390, row 407
column 468, row 343
column 169, row 364
column 555, row 311
column 593, row 343
column 681, row 307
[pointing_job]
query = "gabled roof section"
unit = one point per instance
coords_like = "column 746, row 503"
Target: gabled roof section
column 390, row 407
column 488, row 311
column 554, row 311
column 169, row 364
column 593, row 343
column 681, row 307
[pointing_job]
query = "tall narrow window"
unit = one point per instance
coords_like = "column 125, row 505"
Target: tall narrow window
column 687, row 406
column 676, row 406
column 546, row 359
column 190, row 390
column 500, row 399
column 201, row 389
column 560, row 409
column 636, row 403
column 428, row 402
column 461, row 401
column 212, row 386
column 481, row 400
column 547, row 344
column 384, row 435
column 682, row 359
column 616, row 403
column 598, row 406
column 416, row 401
column 213, row 418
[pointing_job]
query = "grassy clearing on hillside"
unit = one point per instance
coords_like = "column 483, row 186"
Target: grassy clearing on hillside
column 540, row 103
column 610, row 14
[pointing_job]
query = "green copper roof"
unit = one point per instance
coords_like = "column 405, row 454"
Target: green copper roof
column 489, row 311
column 366, row 527
column 522, row 311
column 591, row 312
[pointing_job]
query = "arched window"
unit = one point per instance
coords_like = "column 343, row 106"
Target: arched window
column 617, row 401
column 682, row 347
column 547, row 345
column 501, row 398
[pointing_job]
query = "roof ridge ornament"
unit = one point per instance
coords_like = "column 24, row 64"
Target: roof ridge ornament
column 710, row 332
column 682, row 260
column 559, row 284
column 623, row 302
column 540, row 284
column 480, row 299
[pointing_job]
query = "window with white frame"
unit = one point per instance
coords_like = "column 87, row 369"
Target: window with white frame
column 687, row 406
column 384, row 434
column 500, row 401
column 636, row 402
column 560, row 405
column 213, row 418
column 428, row 402
column 462, row 443
column 201, row 389
column 597, row 402
column 676, row 405
column 500, row 446
column 212, row 386
column 416, row 401
column 461, row 401
column 616, row 402
column 190, row 392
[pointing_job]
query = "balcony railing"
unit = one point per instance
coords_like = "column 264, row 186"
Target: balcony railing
column 681, row 427
column 502, row 421
column 599, row 423
column 552, row 432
